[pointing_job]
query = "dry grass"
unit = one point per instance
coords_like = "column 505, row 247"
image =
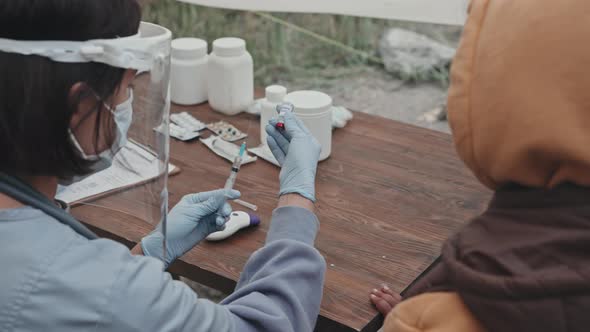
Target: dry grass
column 280, row 52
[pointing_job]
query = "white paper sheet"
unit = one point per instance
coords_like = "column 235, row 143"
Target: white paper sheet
column 145, row 167
column 452, row 12
column 264, row 152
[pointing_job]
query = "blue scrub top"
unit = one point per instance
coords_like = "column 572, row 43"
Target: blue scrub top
column 53, row 279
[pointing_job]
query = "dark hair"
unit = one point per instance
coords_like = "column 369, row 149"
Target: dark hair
column 35, row 108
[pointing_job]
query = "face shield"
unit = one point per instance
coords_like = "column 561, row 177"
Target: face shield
column 132, row 185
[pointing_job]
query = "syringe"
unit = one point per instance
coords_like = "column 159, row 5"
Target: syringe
column 235, row 168
column 233, row 176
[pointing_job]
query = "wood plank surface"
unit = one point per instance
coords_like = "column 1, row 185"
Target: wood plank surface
column 388, row 197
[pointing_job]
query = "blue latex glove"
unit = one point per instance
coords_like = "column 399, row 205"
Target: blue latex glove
column 298, row 152
column 190, row 222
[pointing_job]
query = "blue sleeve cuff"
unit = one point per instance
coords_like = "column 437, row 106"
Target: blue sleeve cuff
column 303, row 193
column 293, row 223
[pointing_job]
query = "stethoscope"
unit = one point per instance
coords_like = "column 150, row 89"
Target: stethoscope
column 27, row 195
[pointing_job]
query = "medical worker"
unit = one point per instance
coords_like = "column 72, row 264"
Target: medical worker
column 62, row 121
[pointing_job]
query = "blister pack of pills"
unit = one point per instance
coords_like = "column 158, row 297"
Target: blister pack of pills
column 182, row 134
column 187, row 121
column 226, row 131
column 179, row 133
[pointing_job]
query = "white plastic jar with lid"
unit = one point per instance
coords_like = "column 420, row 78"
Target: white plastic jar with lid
column 275, row 94
column 188, row 71
column 314, row 108
column 230, row 76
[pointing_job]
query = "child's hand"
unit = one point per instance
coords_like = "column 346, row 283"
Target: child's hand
column 385, row 299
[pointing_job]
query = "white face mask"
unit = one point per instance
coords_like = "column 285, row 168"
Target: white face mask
column 123, row 116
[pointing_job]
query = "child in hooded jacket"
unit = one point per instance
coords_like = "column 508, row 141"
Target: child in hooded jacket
column 519, row 108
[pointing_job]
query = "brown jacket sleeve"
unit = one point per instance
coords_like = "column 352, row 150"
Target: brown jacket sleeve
column 432, row 312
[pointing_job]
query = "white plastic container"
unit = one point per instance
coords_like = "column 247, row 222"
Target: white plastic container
column 230, row 76
column 188, row 71
column 314, row 108
column 275, row 94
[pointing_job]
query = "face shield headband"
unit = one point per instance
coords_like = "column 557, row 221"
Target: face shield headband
column 145, row 51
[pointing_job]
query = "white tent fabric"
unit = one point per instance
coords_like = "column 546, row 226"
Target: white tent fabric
column 451, row 12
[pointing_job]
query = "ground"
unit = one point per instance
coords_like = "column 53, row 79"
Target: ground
column 377, row 92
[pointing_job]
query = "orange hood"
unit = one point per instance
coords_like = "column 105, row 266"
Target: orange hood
column 519, row 102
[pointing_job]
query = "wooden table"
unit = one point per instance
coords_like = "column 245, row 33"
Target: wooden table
column 389, row 196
